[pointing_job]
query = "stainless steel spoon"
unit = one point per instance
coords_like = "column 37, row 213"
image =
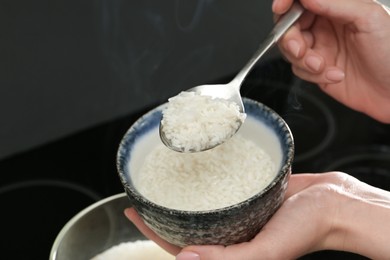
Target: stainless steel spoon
column 231, row 90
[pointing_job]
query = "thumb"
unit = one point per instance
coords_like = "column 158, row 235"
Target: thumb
column 346, row 11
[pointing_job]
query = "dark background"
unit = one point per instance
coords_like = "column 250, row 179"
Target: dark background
column 74, row 75
column 68, row 65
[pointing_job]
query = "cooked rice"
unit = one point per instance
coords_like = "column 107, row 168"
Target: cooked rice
column 138, row 250
column 193, row 122
column 220, row 177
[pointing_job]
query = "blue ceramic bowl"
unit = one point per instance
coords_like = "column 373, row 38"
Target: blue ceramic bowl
column 223, row 226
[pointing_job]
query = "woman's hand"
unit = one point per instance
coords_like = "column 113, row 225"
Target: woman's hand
column 343, row 46
column 321, row 211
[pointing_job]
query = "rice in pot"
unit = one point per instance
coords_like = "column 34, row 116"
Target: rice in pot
column 137, row 250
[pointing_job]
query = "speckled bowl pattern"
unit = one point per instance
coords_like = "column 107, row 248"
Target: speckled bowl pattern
column 225, row 226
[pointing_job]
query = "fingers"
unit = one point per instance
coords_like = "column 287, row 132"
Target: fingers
column 297, row 47
column 133, row 216
column 281, row 6
column 312, row 44
column 294, row 44
column 314, row 58
column 346, row 11
column 270, row 242
column 330, row 75
column 203, row 252
column 247, row 251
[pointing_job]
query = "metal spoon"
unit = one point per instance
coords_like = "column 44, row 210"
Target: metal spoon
column 231, row 90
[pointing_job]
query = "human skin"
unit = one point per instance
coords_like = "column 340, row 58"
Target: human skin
column 321, row 211
column 342, row 45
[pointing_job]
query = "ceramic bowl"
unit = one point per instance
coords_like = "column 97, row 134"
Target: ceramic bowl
column 224, row 226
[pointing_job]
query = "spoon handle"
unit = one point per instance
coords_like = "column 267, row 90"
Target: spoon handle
column 281, row 26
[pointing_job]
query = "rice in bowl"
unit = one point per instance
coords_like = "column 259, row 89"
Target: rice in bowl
column 225, row 175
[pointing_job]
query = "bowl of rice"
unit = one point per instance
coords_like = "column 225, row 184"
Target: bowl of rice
column 222, row 196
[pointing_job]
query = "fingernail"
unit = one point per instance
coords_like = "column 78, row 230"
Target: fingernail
column 314, row 63
column 187, row 256
column 294, row 47
column 335, row 75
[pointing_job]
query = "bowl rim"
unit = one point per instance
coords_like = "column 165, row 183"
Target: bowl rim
column 284, row 170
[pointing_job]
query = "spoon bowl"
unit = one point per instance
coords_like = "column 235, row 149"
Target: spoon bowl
column 228, row 91
column 215, row 91
column 231, row 90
